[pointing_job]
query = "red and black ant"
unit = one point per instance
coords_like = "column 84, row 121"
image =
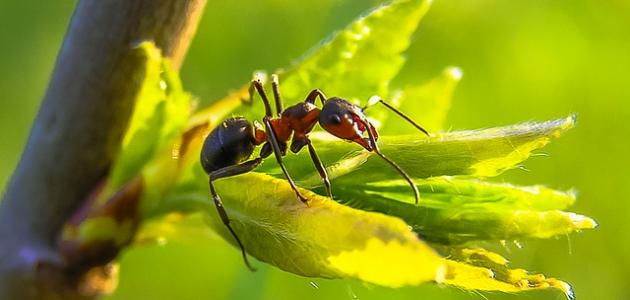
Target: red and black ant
column 228, row 147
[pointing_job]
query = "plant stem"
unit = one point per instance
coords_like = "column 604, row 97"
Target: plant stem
column 78, row 130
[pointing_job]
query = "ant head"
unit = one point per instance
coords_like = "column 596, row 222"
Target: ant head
column 346, row 121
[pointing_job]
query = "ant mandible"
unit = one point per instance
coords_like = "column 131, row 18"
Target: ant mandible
column 228, row 147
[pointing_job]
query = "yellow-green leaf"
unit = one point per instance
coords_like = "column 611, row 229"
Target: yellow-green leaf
column 160, row 114
column 357, row 62
column 360, row 60
column 481, row 153
column 323, row 239
column 457, row 210
column 479, row 269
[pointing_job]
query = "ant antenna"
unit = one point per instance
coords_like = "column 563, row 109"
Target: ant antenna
column 376, row 99
column 256, row 85
column 312, row 96
column 391, row 162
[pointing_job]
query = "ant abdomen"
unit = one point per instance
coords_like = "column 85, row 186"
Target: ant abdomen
column 228, row 144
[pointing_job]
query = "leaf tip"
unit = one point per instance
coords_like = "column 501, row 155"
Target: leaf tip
column 572, row 119
column 567, row 123
column 562, row 286
column 582, row 222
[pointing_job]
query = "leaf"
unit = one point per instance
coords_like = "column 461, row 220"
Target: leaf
column 360, row 60
column 457, row 210
column 323, row 239
column 481, row 153
column 160, row 114
column 479, row 269
column 356, row 62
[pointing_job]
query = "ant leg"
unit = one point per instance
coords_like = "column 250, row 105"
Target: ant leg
column 275, row 85
column 320, row 167
column 256, row 85
column 404, row 174
column 376, row 99
column 273, row 141
column 314, row 94
column 227, row 172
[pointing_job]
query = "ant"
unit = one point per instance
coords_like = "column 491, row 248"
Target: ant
column 227, row 149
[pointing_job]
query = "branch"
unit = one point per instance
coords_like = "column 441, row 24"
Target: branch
column 79, row 127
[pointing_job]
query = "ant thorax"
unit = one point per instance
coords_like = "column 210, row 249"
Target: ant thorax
column 299, row 119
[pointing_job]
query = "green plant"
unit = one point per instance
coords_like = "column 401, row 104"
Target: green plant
column 375, row 230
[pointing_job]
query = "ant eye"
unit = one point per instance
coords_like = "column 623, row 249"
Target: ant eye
column 335, row 119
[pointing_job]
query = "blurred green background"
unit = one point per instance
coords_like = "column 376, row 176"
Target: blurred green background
column 522, row 60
